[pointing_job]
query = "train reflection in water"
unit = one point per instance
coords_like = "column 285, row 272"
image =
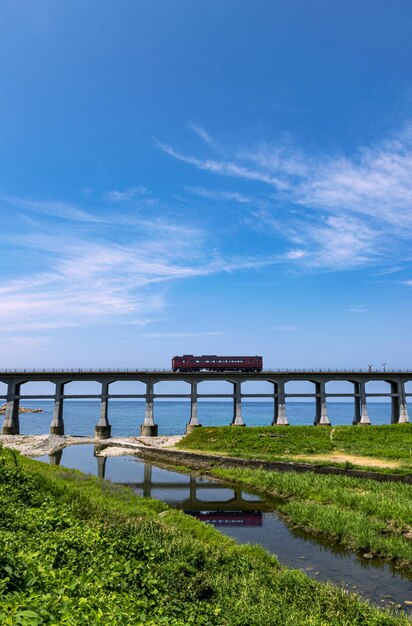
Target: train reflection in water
column 246, row 518
column 229, row 518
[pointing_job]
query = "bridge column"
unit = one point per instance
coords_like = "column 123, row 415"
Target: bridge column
column 101, row 466
column 398, row 401
column 237, row 404
column 361, row 409
column 192, row 489
column 149, row 428
column 55, row 457
column 147, row 480
column 321, row 418
column 103, row 430
column 279, row 415
column 194, row 421
column 57, row 424
column 11, row 424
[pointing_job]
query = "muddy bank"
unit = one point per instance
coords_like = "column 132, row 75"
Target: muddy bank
column 195, row 460
column 160, row 449
column 39, row 445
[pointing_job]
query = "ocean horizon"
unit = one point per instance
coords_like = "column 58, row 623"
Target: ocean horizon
column 126, row 416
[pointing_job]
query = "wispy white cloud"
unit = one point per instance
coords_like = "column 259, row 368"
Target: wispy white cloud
column 62, row 210
column 226, row 168
column 376, row 183
column 326, row 242
column 218, row 196
column 203, row 134
column 296, row 254
column 126, row 195
column 340, row 242
column 338, row 211
column 138, row 223
column 91, row 279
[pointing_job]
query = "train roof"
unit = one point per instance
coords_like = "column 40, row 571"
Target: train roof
column 216, row 356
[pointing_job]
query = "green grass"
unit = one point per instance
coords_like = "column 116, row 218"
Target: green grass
column 272, row 443
column 76, row 550
column 392, row 441
column 363, row 515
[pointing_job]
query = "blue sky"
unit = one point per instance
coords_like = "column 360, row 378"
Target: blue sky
column 205, row 177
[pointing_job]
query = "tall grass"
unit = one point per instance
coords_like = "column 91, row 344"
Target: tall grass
column 364, row 515
column 75, row 550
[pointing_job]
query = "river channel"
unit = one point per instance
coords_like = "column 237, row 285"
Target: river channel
column 248, row 518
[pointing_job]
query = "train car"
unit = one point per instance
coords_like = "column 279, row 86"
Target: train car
column 229, row 518
column 214, row 363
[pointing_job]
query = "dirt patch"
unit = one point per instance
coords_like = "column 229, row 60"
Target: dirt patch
column 337, row 457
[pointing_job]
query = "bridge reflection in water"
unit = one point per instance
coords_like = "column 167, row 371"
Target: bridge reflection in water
column 246, row 518
column 213, row 503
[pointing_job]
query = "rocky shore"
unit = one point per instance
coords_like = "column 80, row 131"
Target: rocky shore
column 22, row 409
column 40, row 445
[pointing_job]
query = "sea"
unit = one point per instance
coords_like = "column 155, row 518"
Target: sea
column 125, row 416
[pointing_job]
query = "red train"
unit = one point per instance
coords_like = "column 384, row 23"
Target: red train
column 213, row 363
column 229, row 518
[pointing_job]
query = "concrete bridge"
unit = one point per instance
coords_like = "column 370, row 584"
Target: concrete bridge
column 278, row 378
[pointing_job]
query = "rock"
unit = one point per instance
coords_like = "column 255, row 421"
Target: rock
column 368, row 555
column 22, row 409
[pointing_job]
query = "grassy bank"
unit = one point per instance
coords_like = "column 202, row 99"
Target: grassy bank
column 76, row 550
column 392, row 443
column 363, row 515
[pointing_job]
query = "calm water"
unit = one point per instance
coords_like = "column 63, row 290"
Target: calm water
column 125, row 416
column 246, row 517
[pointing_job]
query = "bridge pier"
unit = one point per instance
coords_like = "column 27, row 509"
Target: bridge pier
column 237, row 404
column 279, row 415
column 57, row 424
column 149, row 428
column 101, row 466
column 15, row 379
column 55, row 457
column 194, row 420
column 11, row 424
column 361, row 417
column 147, row 480
column 321, row 418
column 398, row 402
column 103, row 430
column 192, row 489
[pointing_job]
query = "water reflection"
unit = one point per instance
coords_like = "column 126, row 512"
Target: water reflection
column 248, row 518
column 229, row 518
column 101, row 466
column 194, row 494
column 56, row 457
